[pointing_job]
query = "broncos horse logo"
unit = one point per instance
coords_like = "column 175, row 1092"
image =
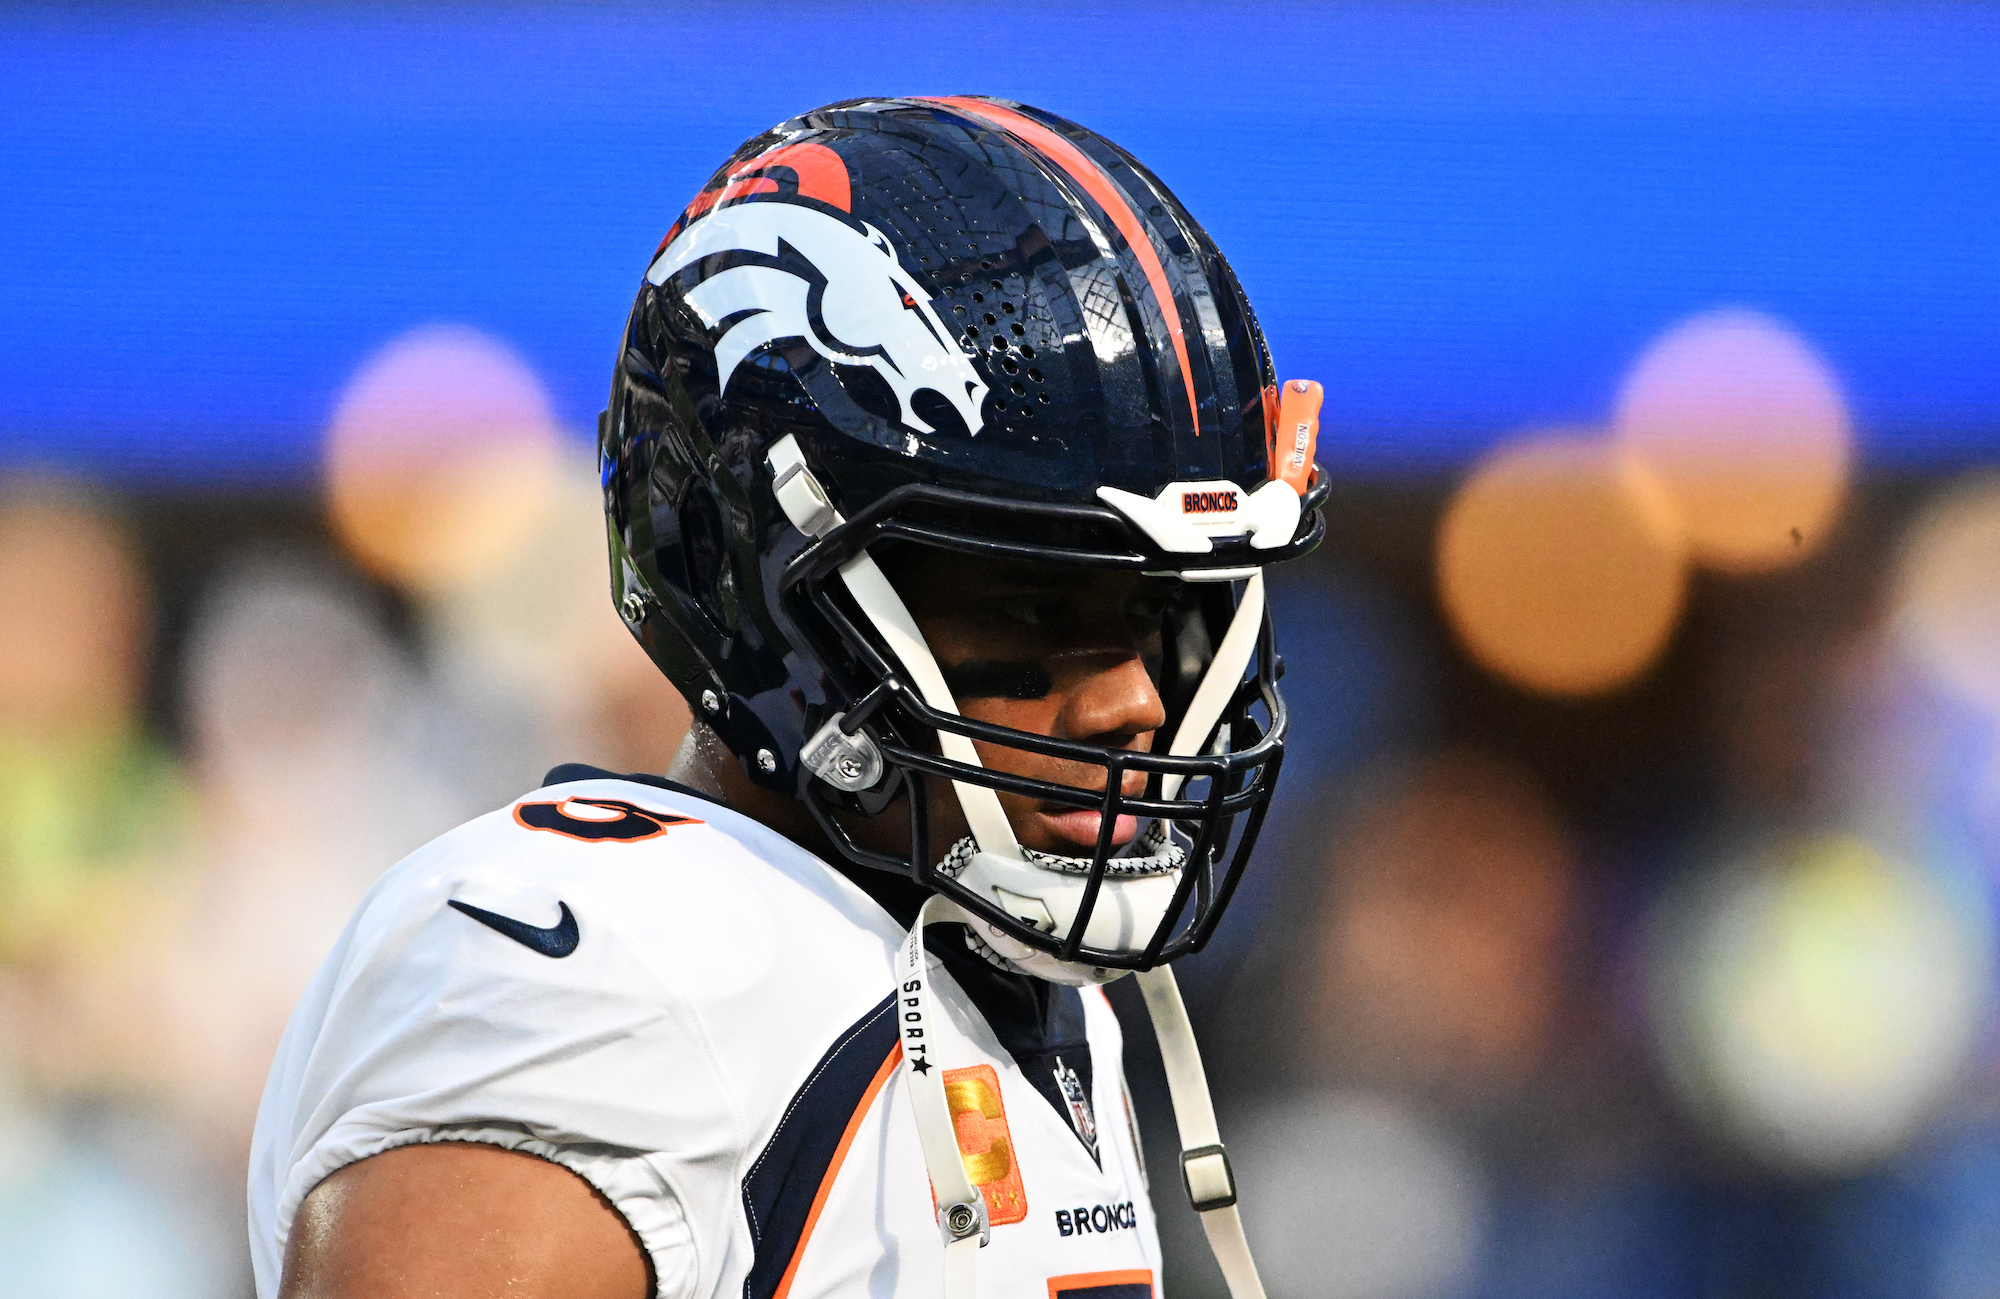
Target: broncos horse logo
column 864, row 310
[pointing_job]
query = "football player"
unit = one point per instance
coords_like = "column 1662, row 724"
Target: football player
column 942, row 463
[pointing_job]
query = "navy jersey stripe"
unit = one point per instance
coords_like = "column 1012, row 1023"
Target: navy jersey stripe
column 1129, row 1283
column 779, row 1190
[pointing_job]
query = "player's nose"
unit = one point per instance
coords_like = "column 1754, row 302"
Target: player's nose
column 1116, row 706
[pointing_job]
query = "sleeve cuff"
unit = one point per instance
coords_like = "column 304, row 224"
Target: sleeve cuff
column 626, row 1178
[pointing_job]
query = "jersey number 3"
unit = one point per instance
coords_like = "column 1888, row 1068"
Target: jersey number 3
column 598, row 820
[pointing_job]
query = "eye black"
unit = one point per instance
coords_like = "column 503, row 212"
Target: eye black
column 998, row 679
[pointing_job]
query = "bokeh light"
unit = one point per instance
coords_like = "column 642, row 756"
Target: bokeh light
column 1450, row 928
column 1745, row 426
column 1816, row 1001
column 74, row 664
column 538, row 628
column 1948, row 591
column 1557, row 567
column 93, row 812
column 440, row 457
column 320, row 588
column 1359, row 1197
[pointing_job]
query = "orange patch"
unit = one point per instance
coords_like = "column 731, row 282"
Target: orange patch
column 1102, row 1285
column 980, row 1120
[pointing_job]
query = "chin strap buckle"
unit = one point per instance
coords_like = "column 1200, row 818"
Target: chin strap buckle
column 964, row 1221
column 845, row 761
column 1208, row 1177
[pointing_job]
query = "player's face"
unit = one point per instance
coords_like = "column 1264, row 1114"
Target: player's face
column 1058, row 651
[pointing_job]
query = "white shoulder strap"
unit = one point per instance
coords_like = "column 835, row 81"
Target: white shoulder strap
column 1205, row 1170
column 961, row 1208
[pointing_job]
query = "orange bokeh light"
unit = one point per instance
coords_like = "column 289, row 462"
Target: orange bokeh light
column 1557, row 566
column 440, row 459
column 1746, row 428
column 70, row 654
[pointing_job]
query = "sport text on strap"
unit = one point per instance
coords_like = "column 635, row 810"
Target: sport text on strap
column 961, row 1208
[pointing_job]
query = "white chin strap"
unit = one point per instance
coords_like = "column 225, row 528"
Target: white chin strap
column 1120, row 916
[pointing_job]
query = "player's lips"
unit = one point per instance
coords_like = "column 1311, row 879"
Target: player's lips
column 1078, row 826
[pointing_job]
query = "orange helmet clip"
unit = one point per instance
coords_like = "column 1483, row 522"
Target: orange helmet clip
column 1297, row 433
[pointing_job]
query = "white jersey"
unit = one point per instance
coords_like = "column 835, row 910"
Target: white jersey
column 696, row 1016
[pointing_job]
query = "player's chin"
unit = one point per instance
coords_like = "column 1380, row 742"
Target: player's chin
column 1072, row 832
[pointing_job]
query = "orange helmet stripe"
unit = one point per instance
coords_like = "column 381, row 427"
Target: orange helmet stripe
column 1083, row 169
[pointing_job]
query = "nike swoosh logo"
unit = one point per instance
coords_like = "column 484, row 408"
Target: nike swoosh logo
column 558, row 940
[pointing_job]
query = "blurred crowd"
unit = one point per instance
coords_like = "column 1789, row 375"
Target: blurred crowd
column 1631, row 925
column 188, row 821
column 1624, row 927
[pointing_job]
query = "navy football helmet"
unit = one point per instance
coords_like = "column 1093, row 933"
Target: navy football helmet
column 967, row 324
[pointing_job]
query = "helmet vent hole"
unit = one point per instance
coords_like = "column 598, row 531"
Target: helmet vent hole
column 998, row 312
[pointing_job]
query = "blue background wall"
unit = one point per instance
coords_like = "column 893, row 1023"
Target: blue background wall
column 1463, row 219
